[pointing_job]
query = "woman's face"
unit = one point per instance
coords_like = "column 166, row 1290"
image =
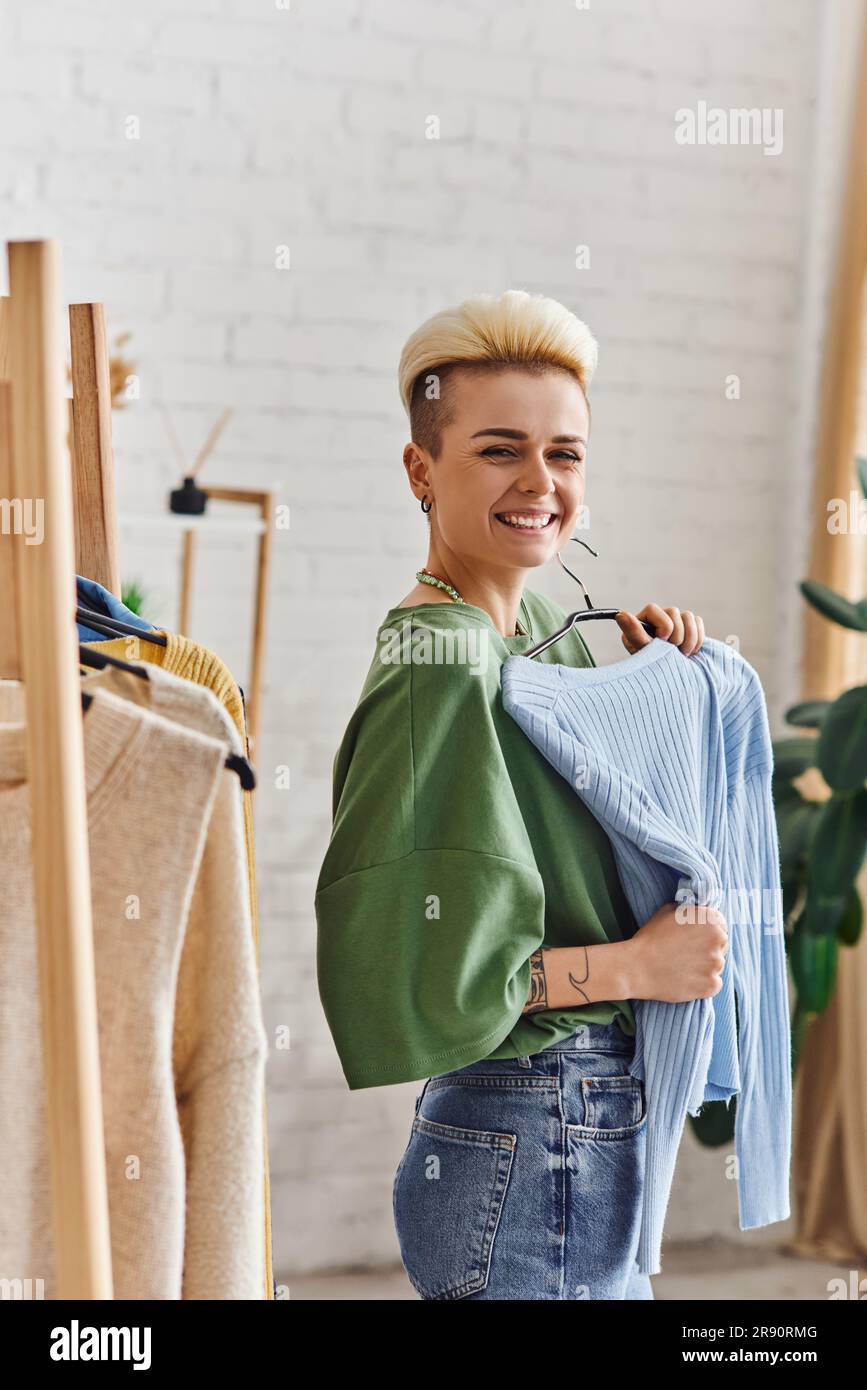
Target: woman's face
column 509, row 482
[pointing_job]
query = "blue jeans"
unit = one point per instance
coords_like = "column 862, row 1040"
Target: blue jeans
column 522, row 1178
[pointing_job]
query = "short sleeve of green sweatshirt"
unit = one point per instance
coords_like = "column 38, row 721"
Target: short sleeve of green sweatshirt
column 429, row 902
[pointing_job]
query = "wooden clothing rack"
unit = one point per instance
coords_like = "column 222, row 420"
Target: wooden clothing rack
column 57, row 521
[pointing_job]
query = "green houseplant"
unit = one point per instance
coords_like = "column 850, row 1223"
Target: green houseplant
column 823, row 838
column 133, row 597
column 823, row 842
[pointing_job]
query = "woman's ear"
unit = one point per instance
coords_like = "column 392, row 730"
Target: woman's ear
column 416, row 471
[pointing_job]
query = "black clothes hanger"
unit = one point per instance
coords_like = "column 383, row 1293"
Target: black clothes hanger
column 113, row 627
column 584, row 615
column 89, row 656
column 92, row 656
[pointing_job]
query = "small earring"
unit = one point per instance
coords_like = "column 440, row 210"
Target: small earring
column 427, row 508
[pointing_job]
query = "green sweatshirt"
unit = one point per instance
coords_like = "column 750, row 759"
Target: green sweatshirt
column 456, row 851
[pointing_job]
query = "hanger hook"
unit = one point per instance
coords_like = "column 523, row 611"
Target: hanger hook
column 579, row 541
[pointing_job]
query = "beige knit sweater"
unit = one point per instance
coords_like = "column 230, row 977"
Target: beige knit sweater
column 182, row 1044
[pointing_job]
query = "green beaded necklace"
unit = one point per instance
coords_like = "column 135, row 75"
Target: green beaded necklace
column 425, row 577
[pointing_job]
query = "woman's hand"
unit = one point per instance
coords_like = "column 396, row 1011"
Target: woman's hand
column 683, row 628
column 677, row 961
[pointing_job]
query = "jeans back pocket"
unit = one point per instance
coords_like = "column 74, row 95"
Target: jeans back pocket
column 615, row 1107
column 448, row 1197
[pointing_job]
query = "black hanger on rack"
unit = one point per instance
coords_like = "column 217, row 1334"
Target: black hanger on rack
column 92, row 656
column 89, row 656
column 113, row 627
column 584, row 615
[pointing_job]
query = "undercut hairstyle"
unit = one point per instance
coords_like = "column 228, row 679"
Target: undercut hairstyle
column 484, row 335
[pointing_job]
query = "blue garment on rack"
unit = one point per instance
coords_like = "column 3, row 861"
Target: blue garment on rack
column 92, row 595
column 673, row 756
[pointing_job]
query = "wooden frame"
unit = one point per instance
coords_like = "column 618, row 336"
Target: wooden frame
column 94, row 507
column 10, row 656
column 41, row 649
column 263, row 501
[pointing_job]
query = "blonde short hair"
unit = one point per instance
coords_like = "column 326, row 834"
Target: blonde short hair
column 483, row 334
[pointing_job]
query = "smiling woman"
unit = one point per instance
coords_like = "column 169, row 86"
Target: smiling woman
column 472, row 927
column 501, row 496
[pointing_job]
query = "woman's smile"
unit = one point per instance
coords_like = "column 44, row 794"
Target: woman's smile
column 526, row 522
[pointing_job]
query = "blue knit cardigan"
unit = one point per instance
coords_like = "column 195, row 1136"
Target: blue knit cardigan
column 673, row 756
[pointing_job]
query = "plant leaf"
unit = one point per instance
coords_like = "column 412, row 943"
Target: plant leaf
column 849, row 930
column 814, row 968
column 832, row 605
column 835, row 860
column 132, row 596
column 792, row 756
column 796, row 826
column 791, row 885
column 842, row 751
column 715, row 1124
column 808, row 714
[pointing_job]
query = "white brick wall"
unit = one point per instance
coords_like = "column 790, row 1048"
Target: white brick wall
column 261, row 127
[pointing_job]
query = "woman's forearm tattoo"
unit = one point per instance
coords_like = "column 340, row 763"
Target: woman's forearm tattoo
column 576, row 984
column 537, row 997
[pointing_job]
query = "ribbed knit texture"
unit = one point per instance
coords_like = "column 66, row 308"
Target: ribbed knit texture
column 673, row 756
column 181, row 1039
